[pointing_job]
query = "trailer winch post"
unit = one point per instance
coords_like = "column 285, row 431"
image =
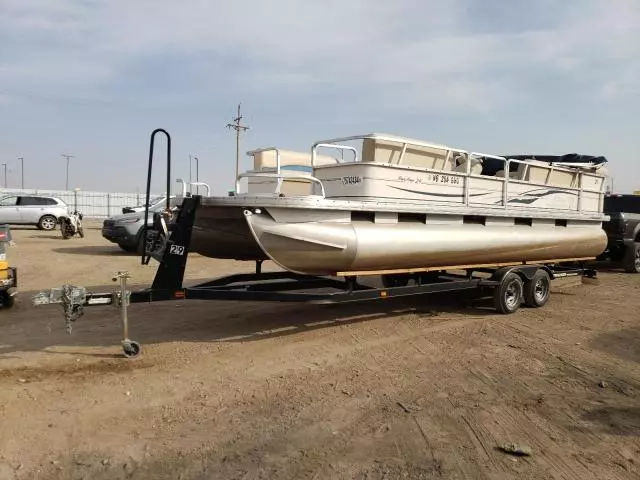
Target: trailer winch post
column 130, row 348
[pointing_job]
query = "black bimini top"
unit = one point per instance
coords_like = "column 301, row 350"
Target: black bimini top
column 567, row 158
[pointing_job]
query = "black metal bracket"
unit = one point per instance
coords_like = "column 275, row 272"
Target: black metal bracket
column 170, row 273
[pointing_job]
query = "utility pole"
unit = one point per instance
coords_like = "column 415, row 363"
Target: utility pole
column 5, row 174
column 237, row 126
column 67, row 157
column 22, row 171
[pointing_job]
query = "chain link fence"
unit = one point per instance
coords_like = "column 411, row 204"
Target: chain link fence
column 96, row 205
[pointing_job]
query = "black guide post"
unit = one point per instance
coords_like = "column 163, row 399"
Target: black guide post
column 258, row 267
column 145, row 258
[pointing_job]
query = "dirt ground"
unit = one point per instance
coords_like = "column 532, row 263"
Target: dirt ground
column 422, row 388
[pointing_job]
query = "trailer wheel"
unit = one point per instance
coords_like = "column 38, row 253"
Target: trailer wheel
column 537, row 290
column 631, row 259
column 6, row 299
column 130, row 349
column 395, row 280
column 507, row 296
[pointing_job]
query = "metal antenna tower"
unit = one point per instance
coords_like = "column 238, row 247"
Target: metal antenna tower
column 237, row 126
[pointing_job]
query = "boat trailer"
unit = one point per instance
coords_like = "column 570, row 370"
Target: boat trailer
column 512, row 285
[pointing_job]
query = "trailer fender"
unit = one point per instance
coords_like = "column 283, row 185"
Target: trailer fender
column 526, row 272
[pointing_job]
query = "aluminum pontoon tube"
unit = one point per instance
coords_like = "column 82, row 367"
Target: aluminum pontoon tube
column 324, row 248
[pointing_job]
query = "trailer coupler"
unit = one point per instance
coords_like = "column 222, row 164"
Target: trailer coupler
column 73, row 300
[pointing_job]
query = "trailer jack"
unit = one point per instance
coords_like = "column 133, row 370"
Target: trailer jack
column 130, row 348
column 73, row 300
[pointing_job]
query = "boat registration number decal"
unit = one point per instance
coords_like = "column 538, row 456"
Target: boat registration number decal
column 433, row 178
column 176, row 250
column 351, row 180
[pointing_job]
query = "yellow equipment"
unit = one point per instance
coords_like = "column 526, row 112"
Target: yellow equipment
column 8, row 275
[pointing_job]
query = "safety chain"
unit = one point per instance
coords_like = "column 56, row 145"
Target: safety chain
column 72, row 310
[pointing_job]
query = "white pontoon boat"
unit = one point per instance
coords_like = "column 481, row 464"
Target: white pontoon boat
column 393, row 204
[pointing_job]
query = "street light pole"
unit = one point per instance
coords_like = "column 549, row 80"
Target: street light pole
column 190, row 177
column 197, row 175
column 66, row 187
column 5, row 174
column 22, row 171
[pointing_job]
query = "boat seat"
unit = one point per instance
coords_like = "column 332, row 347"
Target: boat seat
column 601, row 170
column 518, row 174
column 476, row 164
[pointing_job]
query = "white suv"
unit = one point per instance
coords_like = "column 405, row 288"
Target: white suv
column 42, row 211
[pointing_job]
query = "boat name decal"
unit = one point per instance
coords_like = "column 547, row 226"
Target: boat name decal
column 352, row 180
column 431, row 178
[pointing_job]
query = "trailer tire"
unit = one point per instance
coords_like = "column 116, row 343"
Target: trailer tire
column 7, row 299
column 152, row 241
column 131, row 349
column 537, row 290
column 507, row 296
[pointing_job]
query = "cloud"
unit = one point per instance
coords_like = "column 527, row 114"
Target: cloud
column 395, row 54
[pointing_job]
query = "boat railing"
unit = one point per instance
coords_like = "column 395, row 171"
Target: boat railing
column 277, row 175
column 280, row 178
column 341, row 148
column 337, row 143
column 193, row 184
column 524, row 166
column 507, row 180
column 404, row 144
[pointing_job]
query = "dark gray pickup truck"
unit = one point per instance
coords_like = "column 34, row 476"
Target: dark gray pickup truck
column 623, row 231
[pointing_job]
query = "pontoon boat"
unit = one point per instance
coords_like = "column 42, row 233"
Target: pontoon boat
column 392, row 204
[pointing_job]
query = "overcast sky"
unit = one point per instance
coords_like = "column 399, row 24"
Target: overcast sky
column 93, row 78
